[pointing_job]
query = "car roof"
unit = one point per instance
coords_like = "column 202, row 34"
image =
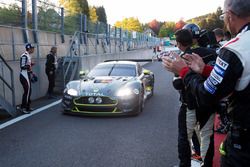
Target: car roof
column 120, row 62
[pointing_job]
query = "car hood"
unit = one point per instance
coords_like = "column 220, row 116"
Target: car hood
column 99, row 86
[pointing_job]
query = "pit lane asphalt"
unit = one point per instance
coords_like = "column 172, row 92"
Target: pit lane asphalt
column 50, row 139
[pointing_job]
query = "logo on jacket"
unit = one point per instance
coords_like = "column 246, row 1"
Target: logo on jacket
column 221, row 63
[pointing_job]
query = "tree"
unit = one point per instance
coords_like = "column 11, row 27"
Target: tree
column 155, row 26
column 10, row 15
column 92, row 14
column 74, row 7
column 167, row 29
column 100, row 12
column 179, row 24
column 130, row 24
column 209, row 21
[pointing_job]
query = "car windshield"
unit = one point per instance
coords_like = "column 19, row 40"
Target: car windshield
column 113, row 70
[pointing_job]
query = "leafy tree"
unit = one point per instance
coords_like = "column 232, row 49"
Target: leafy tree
column 10, row 15
column 155, row 26
column 130, row 24
column 92, row 14
column 209, row 21
column 74, row 7
column 179, row 25
column 100, row 12
column 167, row 29
column 48, row 18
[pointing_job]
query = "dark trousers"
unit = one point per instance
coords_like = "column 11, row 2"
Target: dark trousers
column 235, row 157
column 27, row 91
column 51, row 78
column 183, row 143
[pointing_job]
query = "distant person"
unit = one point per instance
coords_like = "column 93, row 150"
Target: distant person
column 219, row 35
column 26, row 75
column 227, row 36
column 50, row 69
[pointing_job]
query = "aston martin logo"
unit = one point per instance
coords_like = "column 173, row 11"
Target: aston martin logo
column 95, row 90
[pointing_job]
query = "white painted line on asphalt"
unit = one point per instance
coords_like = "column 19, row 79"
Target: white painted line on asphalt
column 8, row 123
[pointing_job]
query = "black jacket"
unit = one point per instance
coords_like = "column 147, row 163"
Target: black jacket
column 50, row 63
column 186, row 97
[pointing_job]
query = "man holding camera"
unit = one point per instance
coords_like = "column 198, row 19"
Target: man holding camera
column 189, row 120
column 230, row 77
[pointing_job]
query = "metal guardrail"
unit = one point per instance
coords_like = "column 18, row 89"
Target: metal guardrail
column 10, row 108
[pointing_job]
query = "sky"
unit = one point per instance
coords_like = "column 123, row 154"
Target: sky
column 161, row 10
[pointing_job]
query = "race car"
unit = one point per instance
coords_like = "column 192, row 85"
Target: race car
column 110, row 88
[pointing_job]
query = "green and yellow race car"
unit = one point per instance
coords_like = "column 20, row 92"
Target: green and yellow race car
column 110, row 88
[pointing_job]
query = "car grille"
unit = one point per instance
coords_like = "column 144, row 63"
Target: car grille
column 107, row 105
column 105, row 100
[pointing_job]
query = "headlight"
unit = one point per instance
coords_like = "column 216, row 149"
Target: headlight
column 124, row 92
column 72, row 92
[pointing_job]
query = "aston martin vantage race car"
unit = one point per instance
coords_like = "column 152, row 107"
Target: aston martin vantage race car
column 110, row 88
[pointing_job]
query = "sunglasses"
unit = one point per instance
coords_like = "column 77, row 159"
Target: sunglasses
column 222, row 16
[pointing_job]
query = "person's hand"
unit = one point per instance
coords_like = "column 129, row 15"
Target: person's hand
column 173, row 63
column 195, row 62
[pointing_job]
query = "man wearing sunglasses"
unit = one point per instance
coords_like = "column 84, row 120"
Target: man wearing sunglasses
column 230, row 77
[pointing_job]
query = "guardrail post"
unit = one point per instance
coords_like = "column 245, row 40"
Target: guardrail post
column 120, row 39
column 62, row 25
column 96, row 36
column 13, row 44
column 34, row 20
column 85, row 37
column 24, row 21
column 115, row 38
column 109, row 27
column 81, row 28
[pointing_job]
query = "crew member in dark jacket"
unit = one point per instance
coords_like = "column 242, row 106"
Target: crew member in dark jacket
column 50, row 69
column 189, row 118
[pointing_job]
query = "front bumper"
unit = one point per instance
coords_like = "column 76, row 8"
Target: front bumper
column 109, row 106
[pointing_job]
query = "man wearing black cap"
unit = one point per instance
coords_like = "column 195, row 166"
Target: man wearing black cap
column 25, row 77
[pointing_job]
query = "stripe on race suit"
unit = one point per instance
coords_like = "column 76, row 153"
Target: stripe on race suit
column 216, row 76
column 209, row 86
column 219, row 70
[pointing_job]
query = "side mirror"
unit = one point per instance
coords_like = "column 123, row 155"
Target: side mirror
column 82, row 74
column 146, row 72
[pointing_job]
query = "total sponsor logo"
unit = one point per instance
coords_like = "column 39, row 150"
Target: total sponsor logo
column 94, row 94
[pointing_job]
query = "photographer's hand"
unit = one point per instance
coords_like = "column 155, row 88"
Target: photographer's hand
column 173, row 64
column 195, row 62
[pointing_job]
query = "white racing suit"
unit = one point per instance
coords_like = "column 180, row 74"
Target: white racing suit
column 25, row 77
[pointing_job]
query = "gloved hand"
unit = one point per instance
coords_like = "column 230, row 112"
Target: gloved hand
column 34, row 78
